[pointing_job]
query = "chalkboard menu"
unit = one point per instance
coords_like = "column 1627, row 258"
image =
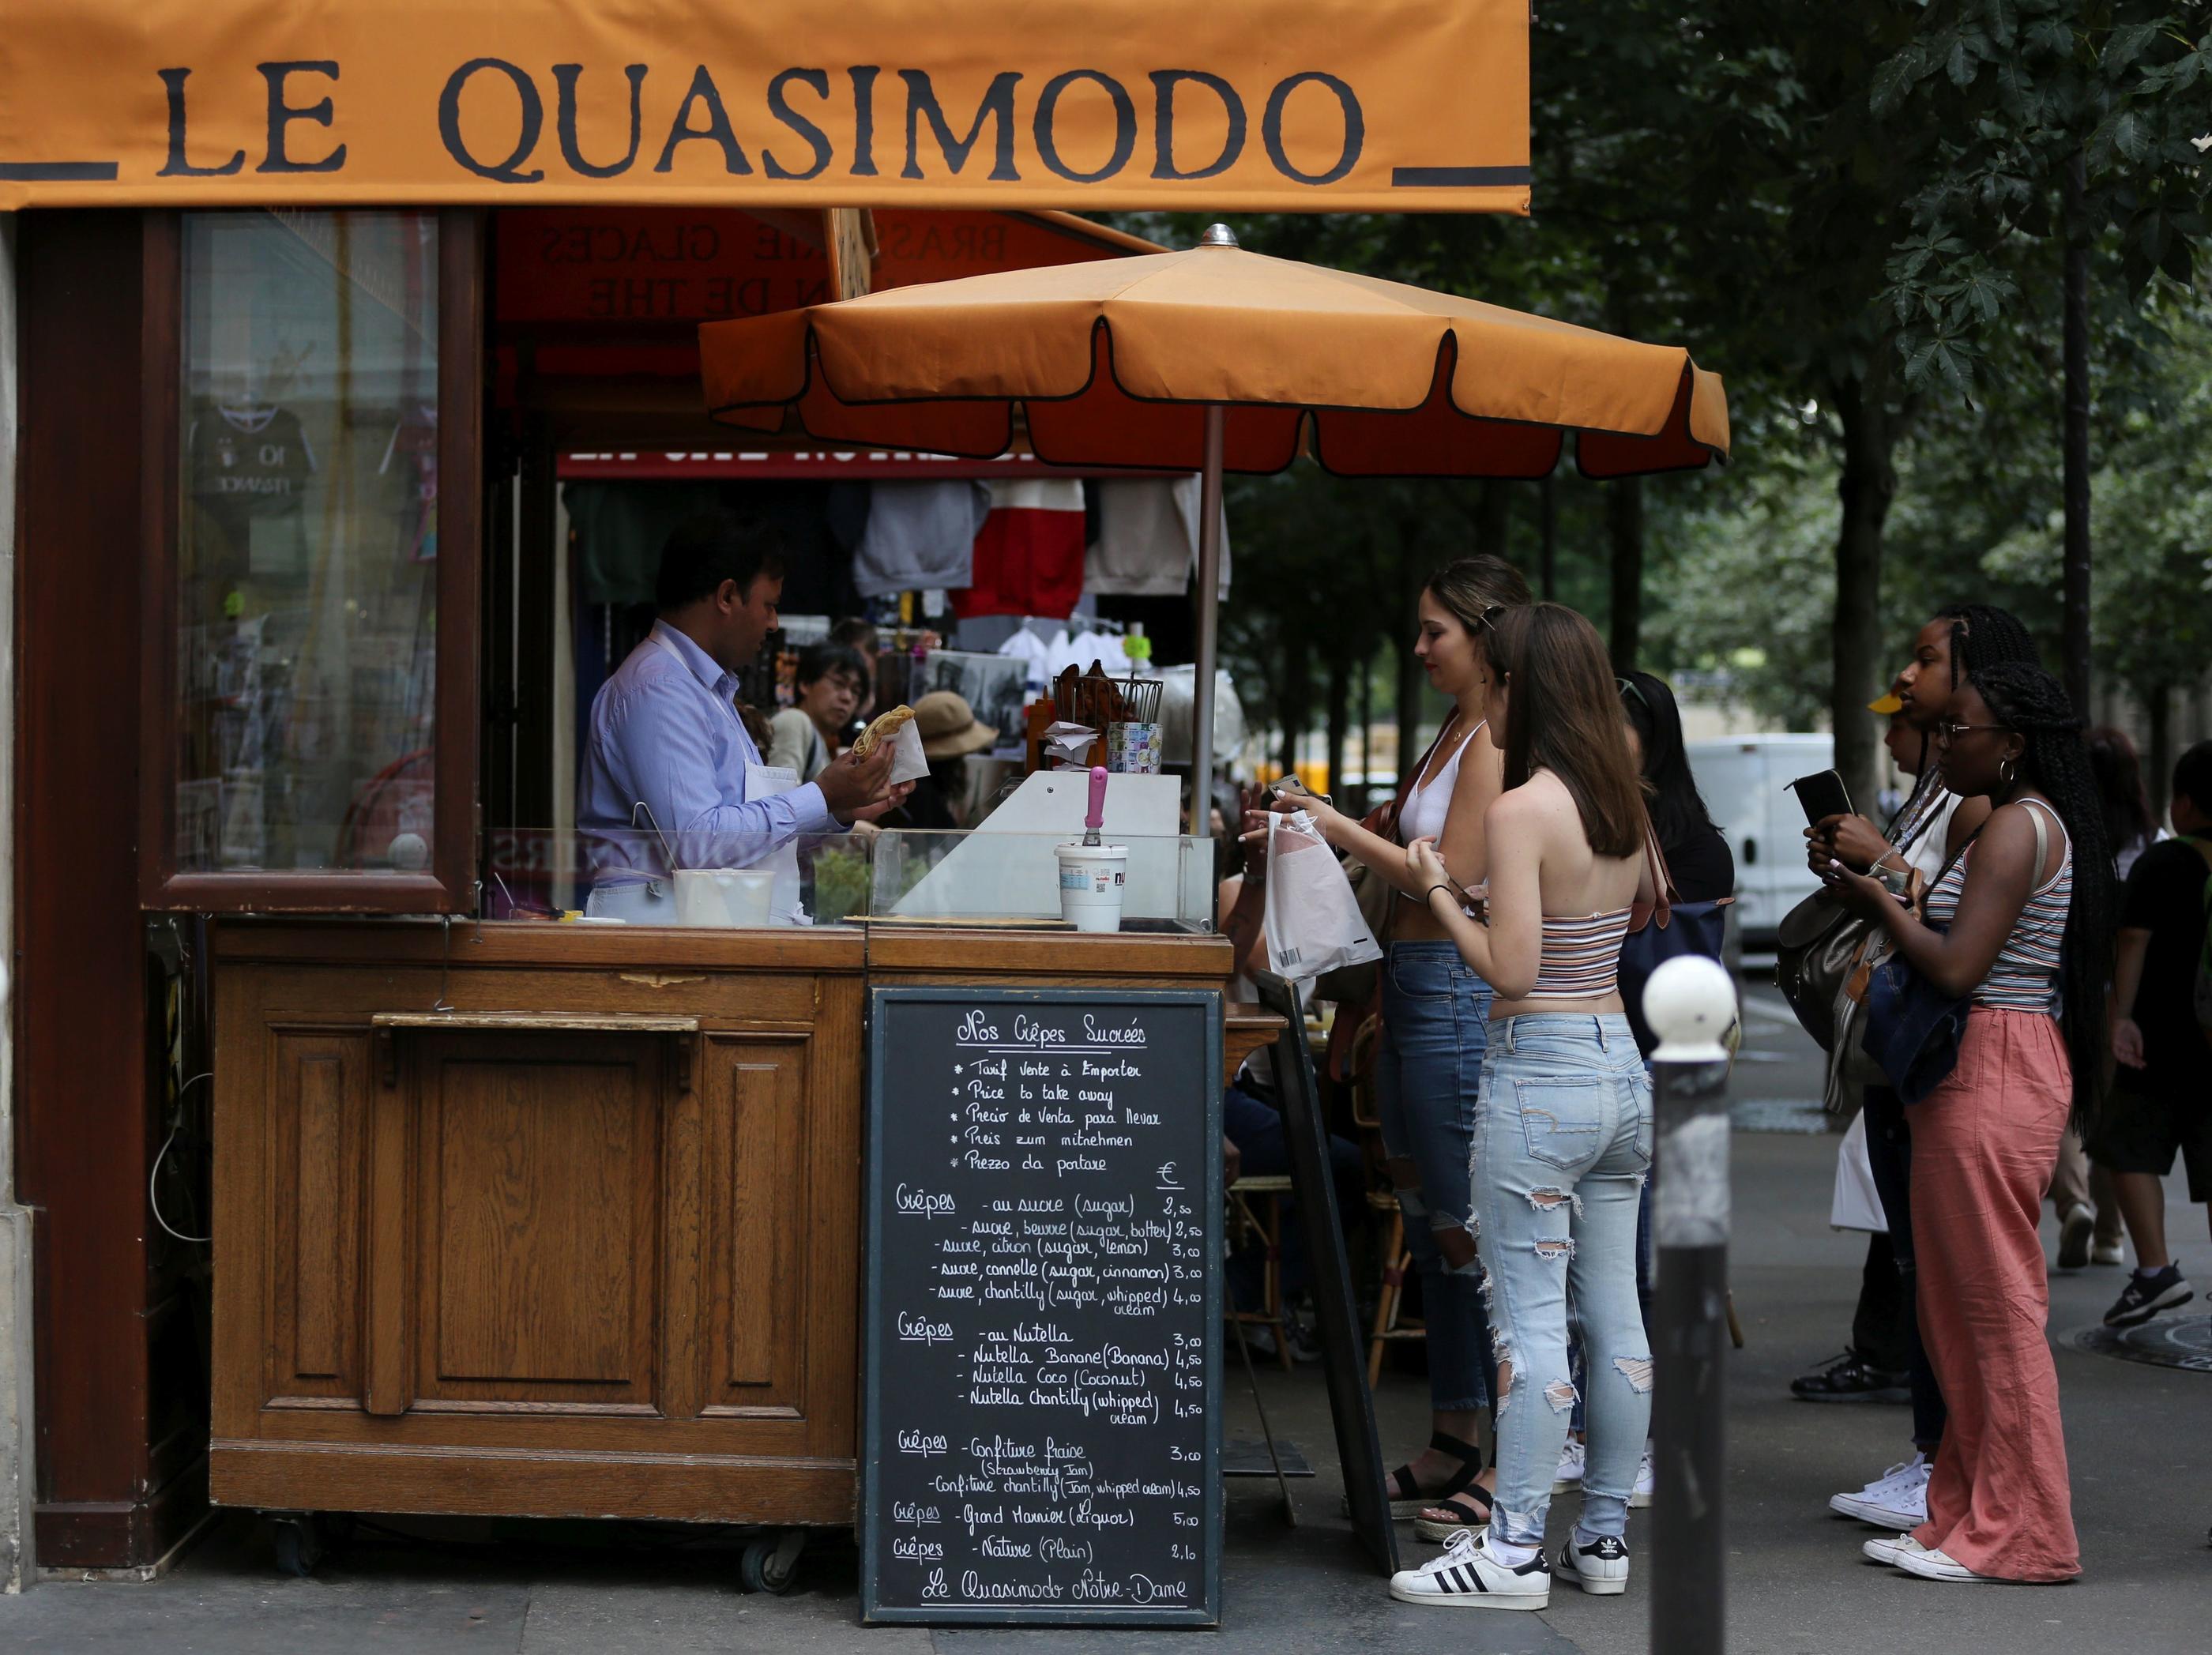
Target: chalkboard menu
column 1042, row 1437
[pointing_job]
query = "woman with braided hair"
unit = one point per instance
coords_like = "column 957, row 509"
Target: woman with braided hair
column 1886, row 1347
column 2021, row 921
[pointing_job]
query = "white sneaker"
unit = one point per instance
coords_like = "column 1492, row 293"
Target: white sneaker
column 1466, row 1576
column 1573, row 1459
column 1647, row 1480
column 1897, row 1500
column 2108, row 1253
column 1936, row 1565
column 1600, row 1569
column 1888, row 1549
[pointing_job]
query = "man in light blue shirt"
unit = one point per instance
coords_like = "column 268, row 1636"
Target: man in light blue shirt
column 665, row 734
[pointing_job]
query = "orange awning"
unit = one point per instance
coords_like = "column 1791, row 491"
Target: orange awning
column 1115, row 362
column 1243, row 105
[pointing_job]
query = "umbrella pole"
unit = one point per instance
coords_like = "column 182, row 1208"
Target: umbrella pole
column 1209, row 618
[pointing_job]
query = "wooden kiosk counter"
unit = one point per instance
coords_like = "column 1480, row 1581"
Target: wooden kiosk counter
column 563, row 1220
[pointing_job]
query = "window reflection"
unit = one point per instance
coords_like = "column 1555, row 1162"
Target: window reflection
column 309, row 543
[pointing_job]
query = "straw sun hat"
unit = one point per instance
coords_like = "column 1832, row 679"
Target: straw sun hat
column 947, row 725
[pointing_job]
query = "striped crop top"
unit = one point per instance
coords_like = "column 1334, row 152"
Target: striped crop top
column 1581, row 959
column 2026, row 977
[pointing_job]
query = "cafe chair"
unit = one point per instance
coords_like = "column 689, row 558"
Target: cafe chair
column 1264, row 1222
column 1397, row 1261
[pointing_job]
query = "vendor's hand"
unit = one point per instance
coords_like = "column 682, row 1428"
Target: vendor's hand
column 2127, row 1043
column 1425, row 865
column 1857, row 892
column 1851, row 840
column 850, row 786
column 868, row 815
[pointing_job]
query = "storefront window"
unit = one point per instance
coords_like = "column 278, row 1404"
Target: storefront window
column 307, row 547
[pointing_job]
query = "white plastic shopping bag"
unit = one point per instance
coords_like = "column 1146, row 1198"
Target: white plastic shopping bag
column 1313, row 923
column 1857, row 1203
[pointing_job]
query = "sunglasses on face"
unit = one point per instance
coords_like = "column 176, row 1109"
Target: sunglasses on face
column 1950, row 729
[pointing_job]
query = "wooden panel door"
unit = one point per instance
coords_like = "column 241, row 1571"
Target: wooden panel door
column 538, row 1222
column 754, row 1265
column 318, row 1141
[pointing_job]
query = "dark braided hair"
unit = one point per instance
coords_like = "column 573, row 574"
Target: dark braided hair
column 2055, row 761
column 1982, row 634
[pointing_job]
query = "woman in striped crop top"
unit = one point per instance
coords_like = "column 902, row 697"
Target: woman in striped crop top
column 1562, row 1137
column 2020, row 923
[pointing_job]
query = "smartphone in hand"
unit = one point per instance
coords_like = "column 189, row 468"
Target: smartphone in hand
column 1822, row 795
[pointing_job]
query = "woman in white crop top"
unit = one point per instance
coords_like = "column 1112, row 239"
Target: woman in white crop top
column 1436, row 1016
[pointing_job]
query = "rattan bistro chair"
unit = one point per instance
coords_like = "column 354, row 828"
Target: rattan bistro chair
column 1255, row 1208
column 1389, row 1323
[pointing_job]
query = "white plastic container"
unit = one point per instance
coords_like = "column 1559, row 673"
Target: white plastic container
column 724, row 897
column 1091, row 877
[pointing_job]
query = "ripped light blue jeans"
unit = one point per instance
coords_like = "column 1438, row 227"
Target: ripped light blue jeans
column 1435, row 1026
column 1562, row 1135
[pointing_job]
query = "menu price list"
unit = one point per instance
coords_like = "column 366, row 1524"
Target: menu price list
column 1044, row 1182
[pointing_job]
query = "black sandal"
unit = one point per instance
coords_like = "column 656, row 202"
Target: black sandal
column 1464, row 1516
column 1407, row 1500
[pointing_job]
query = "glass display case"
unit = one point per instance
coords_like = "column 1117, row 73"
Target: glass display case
column 979, row 877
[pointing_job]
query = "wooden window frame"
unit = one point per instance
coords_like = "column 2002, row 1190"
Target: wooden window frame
column 449, row 885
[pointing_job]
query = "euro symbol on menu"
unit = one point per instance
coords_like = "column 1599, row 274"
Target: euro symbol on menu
column 1167, row 1173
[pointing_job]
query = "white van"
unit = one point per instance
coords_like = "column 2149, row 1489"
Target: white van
column 1745, row 780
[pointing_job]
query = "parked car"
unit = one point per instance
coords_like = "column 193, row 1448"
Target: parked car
column 1745, row 781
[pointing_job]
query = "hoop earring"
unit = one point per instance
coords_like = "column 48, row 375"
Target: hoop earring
column 2007, row 769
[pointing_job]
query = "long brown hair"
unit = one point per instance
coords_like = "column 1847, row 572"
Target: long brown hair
column 1562, row 715
column 1471, row 587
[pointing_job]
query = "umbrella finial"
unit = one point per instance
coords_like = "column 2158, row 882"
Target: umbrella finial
column 1218, row 235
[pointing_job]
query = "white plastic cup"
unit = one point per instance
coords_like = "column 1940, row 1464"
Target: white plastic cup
column 1090, row 882
column 724, row 897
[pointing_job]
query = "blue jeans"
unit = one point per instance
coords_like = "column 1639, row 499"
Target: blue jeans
column 1563, row 1134
column 1436, row 1025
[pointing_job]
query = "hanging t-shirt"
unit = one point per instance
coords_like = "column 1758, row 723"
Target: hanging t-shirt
column 620, row 529
column 1028, row 555
column 1147, row 538
column 920, row 536
column 250, row 468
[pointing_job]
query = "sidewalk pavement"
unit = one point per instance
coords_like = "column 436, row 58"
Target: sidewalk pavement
column 2138, row 1442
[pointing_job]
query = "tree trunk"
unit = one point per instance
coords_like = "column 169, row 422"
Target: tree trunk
column 1366, row 723
column 1410, row 676
column 1547, row 526
column 1292, row 705
column 2158, row 769
column 1868, row 486
column 1340, row 718
column 2075, row 647
column 1493, row 520
column 1623, row 517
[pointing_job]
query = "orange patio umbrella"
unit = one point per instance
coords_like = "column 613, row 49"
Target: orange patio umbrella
column 1215, row 359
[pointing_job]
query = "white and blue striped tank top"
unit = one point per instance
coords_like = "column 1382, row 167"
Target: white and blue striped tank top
column 2026, row 977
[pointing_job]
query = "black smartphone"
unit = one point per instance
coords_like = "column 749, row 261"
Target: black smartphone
column 1822, row 795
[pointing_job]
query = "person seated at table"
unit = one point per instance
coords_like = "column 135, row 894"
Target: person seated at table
column 806, row 736
column 666, row 738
